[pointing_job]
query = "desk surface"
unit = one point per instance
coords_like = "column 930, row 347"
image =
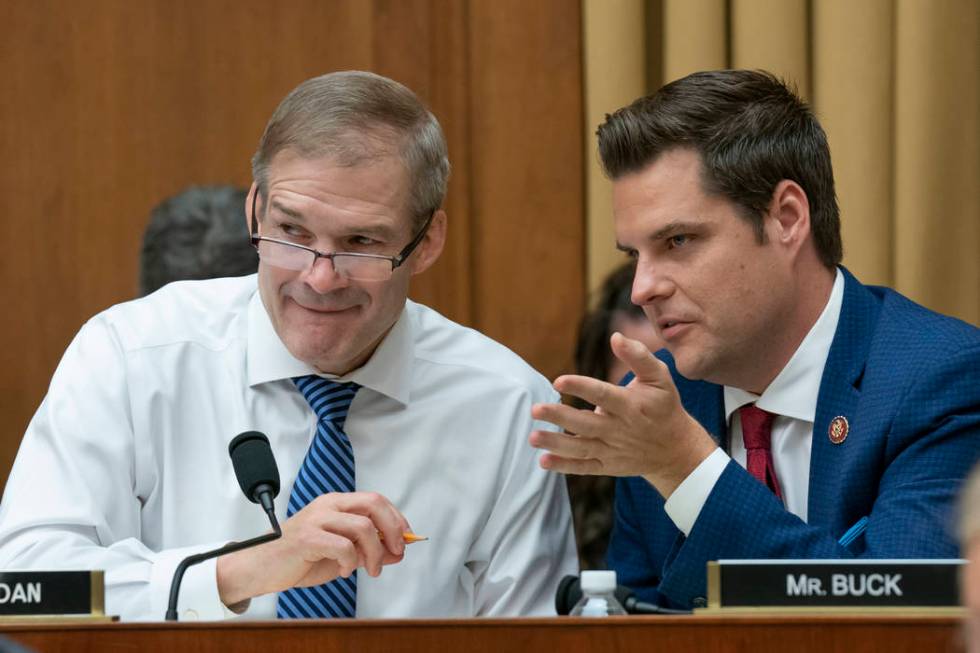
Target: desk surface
column 700, row 633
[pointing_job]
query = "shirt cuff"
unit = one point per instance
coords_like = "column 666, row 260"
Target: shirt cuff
column 199, row 599
column 685, row 503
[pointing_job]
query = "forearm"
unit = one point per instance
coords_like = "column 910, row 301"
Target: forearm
column 243, row 575
column 137, row 579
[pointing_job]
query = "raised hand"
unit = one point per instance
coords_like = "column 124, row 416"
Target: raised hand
column 637, row 430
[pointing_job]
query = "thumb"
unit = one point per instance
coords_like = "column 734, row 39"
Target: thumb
column 638, row 358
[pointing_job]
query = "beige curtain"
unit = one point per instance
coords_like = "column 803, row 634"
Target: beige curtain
column 615, row 69
column 896, row 84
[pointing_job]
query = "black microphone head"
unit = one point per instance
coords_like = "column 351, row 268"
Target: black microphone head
column 626, row 597
column 568, row 594
column 254, row 463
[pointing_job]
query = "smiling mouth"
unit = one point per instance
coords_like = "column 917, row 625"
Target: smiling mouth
column 325, row 310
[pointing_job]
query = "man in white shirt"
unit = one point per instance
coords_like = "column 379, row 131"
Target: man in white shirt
column 795, row 413
column 125, row 466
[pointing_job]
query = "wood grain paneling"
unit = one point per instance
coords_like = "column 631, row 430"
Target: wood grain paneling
column 425, row 47
column 527, row 176
column 110, row 106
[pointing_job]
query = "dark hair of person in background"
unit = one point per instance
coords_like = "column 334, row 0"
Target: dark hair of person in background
column 593, row 357
column 592, row 496
column 751, row 132
column 199, row 234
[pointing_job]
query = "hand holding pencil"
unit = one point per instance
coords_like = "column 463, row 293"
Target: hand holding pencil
column 327, row 538
column 407, row 537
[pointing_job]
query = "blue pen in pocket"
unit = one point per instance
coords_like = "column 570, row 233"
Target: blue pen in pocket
column 853, row 532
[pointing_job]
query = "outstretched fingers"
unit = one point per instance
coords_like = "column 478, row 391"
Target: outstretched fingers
column 647, row 368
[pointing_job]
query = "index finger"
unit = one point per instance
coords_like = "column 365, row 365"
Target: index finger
column 387, row 519
column 647, row 368
column 609, row 397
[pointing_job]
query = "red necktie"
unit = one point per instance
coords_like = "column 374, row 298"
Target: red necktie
column 757, row 435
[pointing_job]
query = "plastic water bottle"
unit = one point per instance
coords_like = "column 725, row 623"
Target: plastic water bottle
column 598, row 595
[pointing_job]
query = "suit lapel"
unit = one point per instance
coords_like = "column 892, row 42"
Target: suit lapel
column 702, row 400
column 840, row 392
column 711, row 412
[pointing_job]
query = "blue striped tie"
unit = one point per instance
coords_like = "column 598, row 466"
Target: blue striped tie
column 328, row 467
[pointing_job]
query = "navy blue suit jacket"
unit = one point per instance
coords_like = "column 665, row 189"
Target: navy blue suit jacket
column 908, row 382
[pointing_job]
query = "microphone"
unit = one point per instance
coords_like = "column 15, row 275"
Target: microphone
column 570, row 592
column 255, row 468
column 258, row 476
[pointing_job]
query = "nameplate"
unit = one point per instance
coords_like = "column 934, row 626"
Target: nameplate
column 52, row 593
column 833, row 583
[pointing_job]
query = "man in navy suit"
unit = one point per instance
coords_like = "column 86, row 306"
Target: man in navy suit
column 795, row 412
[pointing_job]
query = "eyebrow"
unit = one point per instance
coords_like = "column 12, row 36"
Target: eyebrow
column 668, row 230
column 296, row 215
column 380, row 230
column 674, row 228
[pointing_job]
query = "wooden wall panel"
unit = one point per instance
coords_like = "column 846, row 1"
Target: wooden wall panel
column 527, row 176
column 423, row 44
column 110, row 106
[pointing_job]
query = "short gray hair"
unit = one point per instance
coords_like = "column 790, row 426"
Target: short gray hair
column 356, row 117
column 970, row 509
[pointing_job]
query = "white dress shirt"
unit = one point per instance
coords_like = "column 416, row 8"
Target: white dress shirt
column 792, row 398
column 125, row 465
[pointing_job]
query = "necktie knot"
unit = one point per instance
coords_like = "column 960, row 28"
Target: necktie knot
column 756, row 427
column 330, row 400
column 757, row 436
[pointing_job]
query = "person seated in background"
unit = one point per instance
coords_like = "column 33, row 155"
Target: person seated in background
column 592, row 496
column 200, row 233
column 384, row 416
column 970, row 550
column 614, row 312
column 791, row 401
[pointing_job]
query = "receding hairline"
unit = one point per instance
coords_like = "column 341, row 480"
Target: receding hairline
column 350, row 147
column 356, row 117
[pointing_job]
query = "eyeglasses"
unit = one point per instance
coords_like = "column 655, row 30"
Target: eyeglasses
column 350, row 265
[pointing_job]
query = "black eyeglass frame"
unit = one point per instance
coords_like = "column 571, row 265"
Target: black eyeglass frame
column 396, row 260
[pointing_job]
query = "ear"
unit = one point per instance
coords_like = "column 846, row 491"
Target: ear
column 248, row 206
column 789, row 216
column 432, row 243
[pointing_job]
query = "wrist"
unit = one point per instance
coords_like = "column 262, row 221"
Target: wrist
column 235, row 575
column 694, row 445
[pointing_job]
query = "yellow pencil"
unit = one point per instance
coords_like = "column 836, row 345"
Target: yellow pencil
column 409, row 538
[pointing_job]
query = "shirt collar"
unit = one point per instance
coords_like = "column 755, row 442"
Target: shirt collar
column 388, row 371
column 793, row 393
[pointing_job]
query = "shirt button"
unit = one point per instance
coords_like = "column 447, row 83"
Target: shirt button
column 190, row 615
column 699, row 602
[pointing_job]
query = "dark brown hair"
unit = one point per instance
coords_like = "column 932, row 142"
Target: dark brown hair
column 593, row 356
column 197, row 234
column 751, row 131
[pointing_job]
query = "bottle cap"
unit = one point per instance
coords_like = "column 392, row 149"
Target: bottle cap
column 598, row 581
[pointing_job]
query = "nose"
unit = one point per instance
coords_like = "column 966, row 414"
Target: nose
column 650, row 283
column 322, row 276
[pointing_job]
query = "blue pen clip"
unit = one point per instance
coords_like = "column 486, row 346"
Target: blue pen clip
column 853, row 532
